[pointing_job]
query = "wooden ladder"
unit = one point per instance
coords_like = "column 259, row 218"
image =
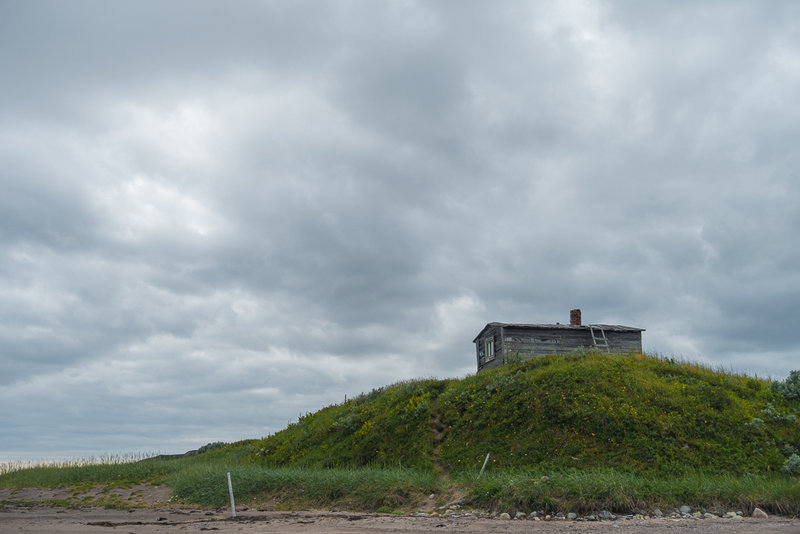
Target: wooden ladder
column 599, row 339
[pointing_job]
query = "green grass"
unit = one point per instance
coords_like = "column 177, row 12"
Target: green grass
column 153, row 471
column 389, row 427
column 636, row 412
column 628, row 493
column 587, row 411
column 8, row 467
column 296, row 487
column 626, row 433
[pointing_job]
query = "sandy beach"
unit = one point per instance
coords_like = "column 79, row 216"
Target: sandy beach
column 146, row 509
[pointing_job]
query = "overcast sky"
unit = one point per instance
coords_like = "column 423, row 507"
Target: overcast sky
column 217, row 217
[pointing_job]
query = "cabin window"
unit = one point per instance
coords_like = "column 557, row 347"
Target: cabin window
column 488, row 349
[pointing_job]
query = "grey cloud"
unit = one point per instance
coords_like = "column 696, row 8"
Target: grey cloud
column 278, row 205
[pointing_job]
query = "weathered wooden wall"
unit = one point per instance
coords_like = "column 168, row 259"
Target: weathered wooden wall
column 624, row 342
column 493, row 332
column 527, row 342
column 514, row 342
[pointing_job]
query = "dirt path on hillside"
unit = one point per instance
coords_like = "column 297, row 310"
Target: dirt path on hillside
column 438, row 434
column 44, row 520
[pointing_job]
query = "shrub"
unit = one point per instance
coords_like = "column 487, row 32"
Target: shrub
column 756, row 423
column 211, row 446
column 347, row 424
column 792, row 465
column 789, row 389
column 776, row 416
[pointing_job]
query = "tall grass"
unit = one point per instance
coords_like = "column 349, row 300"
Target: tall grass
column 364, row 488
column 105, row 470
column 626, row 492
column 8, row 467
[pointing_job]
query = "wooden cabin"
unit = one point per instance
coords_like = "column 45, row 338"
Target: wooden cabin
column 499, row 343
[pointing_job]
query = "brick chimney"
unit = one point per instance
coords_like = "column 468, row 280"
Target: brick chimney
column 575, row 317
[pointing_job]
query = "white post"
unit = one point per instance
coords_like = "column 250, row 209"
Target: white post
column 230, row 490
column 484, row 464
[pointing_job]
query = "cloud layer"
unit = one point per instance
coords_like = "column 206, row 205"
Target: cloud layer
column 214, row 220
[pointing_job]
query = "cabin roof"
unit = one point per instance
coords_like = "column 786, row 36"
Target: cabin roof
column 606, row 327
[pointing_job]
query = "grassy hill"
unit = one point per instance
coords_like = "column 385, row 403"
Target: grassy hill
column 587, row 411
column 577, row 432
